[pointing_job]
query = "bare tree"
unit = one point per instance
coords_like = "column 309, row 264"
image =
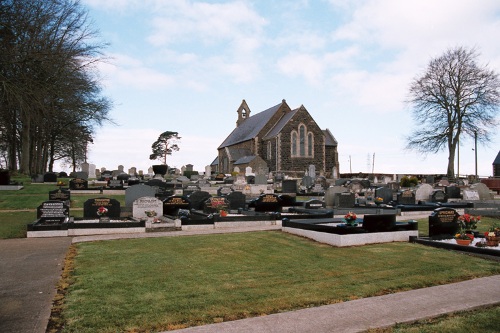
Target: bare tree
column 454, row 97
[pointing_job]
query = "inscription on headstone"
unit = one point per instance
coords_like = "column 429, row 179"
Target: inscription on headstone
column 52, row 212
column 216, row 204
column 172, row 204
column 78, row 184
column 443, row 221
column 345, row 200
column 91, row 206
column 147, row 207
column 60, row 195
column 268, row 203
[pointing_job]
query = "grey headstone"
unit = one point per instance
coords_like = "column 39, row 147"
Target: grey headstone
column 146, row 204
column 135, row 192
column 483, row 190
column 331, row 193
column 423, row 192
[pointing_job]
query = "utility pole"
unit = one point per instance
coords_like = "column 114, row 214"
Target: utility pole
column 475, row 150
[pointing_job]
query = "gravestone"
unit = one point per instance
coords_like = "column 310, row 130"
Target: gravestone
column 260, row 180
column 453, row 192
column 50, row 177
column 208, row 171
column 394, row 186
column 123, row 177
column 237, row 200
column 331, row 193
column 198, row 199
column 407, row 197
column 307, row 181
column 289, row 186
column 268, row 203
column 250, row 179
column 249, row 171
column 470, row 195
column 423, row 192
column 224, row 190
column 81, row 175
column 52, row 212
column 215, row 204
column 4, row 177
column 345, row 200
column 191, row 188
column 443, row 222
column 430, row 179
column 92, row 171
column 439, row 196
column 312, row 171
column 135, row 192
column 78, row 184
column 91, row 206
column 483, row 190
column 172, row 204
column 162, row 189
column 314, row 204
column 60, row 195
column 115, row 184
column 385, row 193
column 143, row 206
column 85, row 167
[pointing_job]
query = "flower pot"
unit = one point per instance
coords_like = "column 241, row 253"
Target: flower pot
column 492, row 241
column 160, row 169
column 463, row 241
column 223, row 213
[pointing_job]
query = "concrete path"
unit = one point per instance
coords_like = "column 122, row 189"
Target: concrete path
column 31, row 268
column 29, row 272
column 373, row 312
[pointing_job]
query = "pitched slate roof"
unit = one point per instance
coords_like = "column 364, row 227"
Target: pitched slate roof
column 280, row 124
column 244, row 160
column 497, row 159
column 249, row 128
column 329, row 138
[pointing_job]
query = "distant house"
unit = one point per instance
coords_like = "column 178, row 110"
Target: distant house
column 278, row 139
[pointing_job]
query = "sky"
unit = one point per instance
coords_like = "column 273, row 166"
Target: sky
column 185, row 66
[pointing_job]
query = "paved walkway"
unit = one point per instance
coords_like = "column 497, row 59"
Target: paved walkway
column 30, row 269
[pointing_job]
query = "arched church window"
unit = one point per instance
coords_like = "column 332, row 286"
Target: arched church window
column 302, row 137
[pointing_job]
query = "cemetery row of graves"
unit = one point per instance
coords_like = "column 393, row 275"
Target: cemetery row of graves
column 310, row 206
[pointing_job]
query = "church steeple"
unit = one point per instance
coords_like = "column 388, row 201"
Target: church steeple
column 243, row 113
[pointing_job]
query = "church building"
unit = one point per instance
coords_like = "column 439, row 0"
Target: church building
column 278, row 139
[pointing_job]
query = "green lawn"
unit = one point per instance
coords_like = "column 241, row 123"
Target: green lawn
column 164, row 283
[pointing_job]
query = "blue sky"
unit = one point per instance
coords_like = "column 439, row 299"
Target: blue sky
column 185, row 66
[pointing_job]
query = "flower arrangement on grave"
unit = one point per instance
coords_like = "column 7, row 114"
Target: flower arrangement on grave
column 60, row 183
column 102, row 211
column 379, row 200
column 350, row 219
column 462, row 238
column 468, row 222
column 150, row 213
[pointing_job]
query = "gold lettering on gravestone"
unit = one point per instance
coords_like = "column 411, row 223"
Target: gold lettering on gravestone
column 102, row 202
column 269, row 198
column 446, row 216
column 407, row 194
column 176, row 201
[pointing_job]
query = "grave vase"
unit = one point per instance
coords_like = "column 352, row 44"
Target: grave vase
column 464, row 242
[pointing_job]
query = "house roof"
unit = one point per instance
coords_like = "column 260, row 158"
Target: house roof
column 329, row 138
column 249, row 128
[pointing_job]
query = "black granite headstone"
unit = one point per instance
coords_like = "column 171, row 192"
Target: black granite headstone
column 52, row 212
column 50, row 177
column 345, row 199
column 237, row 200
column 91, row 206
column 453, row 192
column 198, row 199
column 172, row 204
column 224, row 190
column 78, row 184
column 215, row 204
column 191, row 188
column 379, row 222
column 4, row 177
column 289, row 186
column 268, row 203
column 443, row 222
column 60, row 195
column 439, row 196
column 406, row 197
column 288, row 200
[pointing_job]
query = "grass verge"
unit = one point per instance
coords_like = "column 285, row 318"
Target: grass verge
column 167, row 283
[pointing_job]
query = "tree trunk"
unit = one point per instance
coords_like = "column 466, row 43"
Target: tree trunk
column 24, row 166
